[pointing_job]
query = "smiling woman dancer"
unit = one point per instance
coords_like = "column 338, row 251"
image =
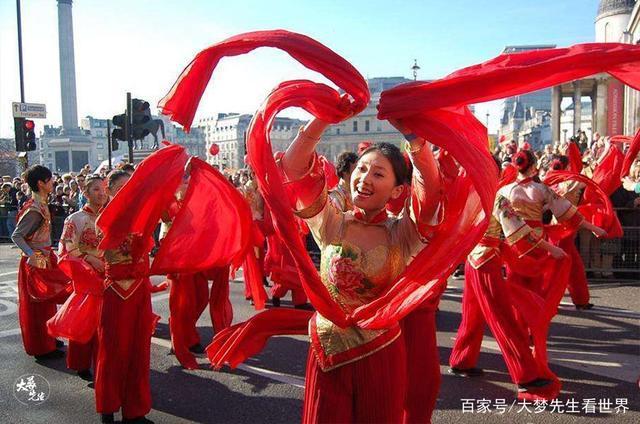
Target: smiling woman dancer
column 354, row 374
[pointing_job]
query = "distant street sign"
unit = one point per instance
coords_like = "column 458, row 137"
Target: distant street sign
column 29, row 110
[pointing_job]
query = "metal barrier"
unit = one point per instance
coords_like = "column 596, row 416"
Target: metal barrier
column 618, row 258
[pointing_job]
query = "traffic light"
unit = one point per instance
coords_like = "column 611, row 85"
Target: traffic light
column 121, row 130
column 140, row 115
column 25, row 134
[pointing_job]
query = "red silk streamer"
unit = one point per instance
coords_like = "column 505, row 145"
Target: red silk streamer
column 596, row 208
column 182, row 100
column 235, row 344
column 442, row 127
column 47, row 284
column 509, row 75
column 225, row 240
column 607, row 172
column 330, row 173
column 512, row 74
column 325, row 103
column 138, row 206
column 575, row 158
column 77, row 319
column 631, row 155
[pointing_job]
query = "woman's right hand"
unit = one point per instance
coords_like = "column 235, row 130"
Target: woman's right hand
column 95, row 263
column 557, row 253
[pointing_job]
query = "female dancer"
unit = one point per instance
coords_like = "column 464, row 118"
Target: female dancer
column 79, row 239
column 487, row 298
column 125, row 329
column 350, row 370
column 572, row 191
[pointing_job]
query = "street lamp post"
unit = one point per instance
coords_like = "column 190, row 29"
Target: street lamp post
column 415, row 68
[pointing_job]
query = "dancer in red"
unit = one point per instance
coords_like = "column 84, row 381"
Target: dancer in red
column 79, row 240
column 40, row 283
column 487, row 298
column 188, row 297
column 125, row 329
column 253, row 266
column 349, row 370
column 578, row 285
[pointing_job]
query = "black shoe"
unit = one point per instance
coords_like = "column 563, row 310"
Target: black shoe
column 535, row 384
column 106, row 418
column 85, row 375
column 54, row 354
column 584, row 307
column 196, row 348
column 59, row 343
column 468, row 372
column 305, row 306
column 140, row 420
column 275, row 301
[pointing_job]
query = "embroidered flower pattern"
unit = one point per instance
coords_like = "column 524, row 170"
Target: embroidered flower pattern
column 69, row 231
column 345, row 277
column 89, row 238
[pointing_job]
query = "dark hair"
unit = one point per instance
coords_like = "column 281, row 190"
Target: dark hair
column 37, row 173
column 91, row 179
column 393, row 155
column 524, row 160
column 114, row 176
column 559, row 162
column 127, row 167
column 345, row 162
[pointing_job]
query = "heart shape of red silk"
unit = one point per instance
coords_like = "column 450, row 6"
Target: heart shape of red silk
column 435, row 111
column 461, row 229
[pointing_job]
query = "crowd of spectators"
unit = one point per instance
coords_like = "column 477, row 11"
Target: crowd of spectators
column 65, row 199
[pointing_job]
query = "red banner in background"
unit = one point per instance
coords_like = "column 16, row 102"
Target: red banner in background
column 615, row 107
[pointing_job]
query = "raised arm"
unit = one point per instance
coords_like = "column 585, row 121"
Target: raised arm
column 298, row 161
column 426, row 183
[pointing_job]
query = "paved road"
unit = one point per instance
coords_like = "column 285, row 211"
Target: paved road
column 596, row 353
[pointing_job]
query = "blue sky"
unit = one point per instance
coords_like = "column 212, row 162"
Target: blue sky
column 381, row 38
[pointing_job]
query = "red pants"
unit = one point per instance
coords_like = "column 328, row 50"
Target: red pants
column 486, row 297
column 33, row 318
column 80, row 356
column 371, row 389
column 298, row 296
column 124, row 341
column 188, row 298
column 220, row 308
column 578, row 287
column 423, row 365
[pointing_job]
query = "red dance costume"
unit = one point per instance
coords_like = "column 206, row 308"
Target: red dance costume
column 124, row 335
column 578, row 285
column 358, row 260
column 79, row 240
column 41, row 284
column 487, row 297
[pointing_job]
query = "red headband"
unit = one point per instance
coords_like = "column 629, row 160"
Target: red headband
column 557, row 165
column 521, row 160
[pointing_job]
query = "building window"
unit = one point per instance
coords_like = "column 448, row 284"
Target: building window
column 337, row 131
column 355, row 126
column 366, row 126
